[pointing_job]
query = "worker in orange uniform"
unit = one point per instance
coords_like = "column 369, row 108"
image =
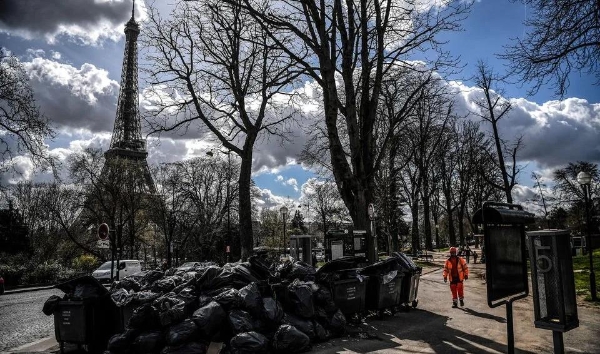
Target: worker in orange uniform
column 457, row 270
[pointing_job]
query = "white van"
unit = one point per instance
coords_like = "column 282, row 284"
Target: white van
column 126, row 267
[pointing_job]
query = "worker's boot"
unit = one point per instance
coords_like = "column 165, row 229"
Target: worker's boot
column 454, row 303
column 462, row 302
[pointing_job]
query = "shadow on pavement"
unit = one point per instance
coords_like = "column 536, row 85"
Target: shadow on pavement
column 484, row 315
column 423, row 329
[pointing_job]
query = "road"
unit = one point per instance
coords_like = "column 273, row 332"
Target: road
column 22, row 320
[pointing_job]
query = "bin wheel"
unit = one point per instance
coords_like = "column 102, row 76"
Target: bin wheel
column 415, row 303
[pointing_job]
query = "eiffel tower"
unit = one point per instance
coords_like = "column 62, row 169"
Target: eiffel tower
column 127, row 143
column 125, row 172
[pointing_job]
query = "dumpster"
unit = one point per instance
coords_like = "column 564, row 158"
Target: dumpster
column 410, row 281
column 384, row 285
column 347, row 285
column 86, row 316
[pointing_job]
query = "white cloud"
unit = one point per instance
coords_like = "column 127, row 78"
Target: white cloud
column 83, row 21
column 74, row 98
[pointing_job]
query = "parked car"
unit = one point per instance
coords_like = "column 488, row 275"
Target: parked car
column 187, row 266
column 126, row 267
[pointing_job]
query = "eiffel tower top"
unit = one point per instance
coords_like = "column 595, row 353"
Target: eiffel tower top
column 127, row 133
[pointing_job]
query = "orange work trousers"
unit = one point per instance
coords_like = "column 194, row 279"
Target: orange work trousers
column 458, row 290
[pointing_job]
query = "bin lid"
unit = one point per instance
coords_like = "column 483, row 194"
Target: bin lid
column 343, row 263
column 502, row 213
column 85, row 287
column 382, row 267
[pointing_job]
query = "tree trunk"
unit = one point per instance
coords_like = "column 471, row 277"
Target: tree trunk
column 426, row 214
column 245, row 204
column 416, row 245
column 393, row 198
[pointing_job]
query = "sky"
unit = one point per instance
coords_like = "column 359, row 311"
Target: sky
column 73, row 50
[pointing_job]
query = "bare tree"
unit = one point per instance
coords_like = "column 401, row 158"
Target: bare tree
column 110, row 191
column 564, row 37
column 226, row 77
column 492, row 108
column 24, row 127
column 325, row 201
column 352, row 46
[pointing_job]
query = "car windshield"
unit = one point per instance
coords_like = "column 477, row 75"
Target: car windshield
column 188, row 265
column 105, row 266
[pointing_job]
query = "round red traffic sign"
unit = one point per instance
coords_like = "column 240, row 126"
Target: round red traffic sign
column 103, row 231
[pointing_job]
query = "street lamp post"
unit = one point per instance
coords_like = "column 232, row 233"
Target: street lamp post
column 585, row 180
column 283, row 210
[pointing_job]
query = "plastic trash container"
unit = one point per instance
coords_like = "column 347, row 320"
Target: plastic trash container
column 384, row 286
column 86, row 316
column 349, row 292
column 347, row 285
column 410, row 281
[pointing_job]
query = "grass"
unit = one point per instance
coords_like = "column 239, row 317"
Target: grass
column 581, row 268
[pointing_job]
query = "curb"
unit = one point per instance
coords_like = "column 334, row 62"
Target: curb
column 24, row 290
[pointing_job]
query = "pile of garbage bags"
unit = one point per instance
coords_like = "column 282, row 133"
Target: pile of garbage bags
column 251, row 307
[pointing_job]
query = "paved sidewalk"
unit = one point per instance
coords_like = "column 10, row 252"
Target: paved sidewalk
column 435, row 327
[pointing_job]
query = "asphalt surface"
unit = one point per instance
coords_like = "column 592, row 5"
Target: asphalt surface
column 433, row 327
column 21, row 318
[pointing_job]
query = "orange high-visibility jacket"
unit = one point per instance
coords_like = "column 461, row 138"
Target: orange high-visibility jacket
column 463, row 269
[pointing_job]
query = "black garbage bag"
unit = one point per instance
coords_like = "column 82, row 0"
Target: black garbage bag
column 204, row 300
column 181, row 333
column 300, row 299
column 260, row 267
column 144, row 317
column 214, row 278
column 321, row 334
column 121, row 297
column 322, row 316
column 127, row 283
column 251, row 299
column 209, row 319
column 229, row 299
column 187, row 348
column 243, row 274
column 50, row 305
column 148, row 342
column 304, row 325
column 185, row 284
column 272, row 311
column 189, row 299
column 164, row 285
column 288, row 339
column 249, row 343
column 337, row 323
column 302, row 271
column 122, row 343
column 149, row 278
column 323, row 298
column 144, row 297
column 171, row 310
column 241, row 321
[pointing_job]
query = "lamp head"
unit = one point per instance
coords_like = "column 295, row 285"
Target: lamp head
column 584, row 178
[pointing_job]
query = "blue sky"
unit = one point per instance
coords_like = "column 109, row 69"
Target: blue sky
column 73, row 51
